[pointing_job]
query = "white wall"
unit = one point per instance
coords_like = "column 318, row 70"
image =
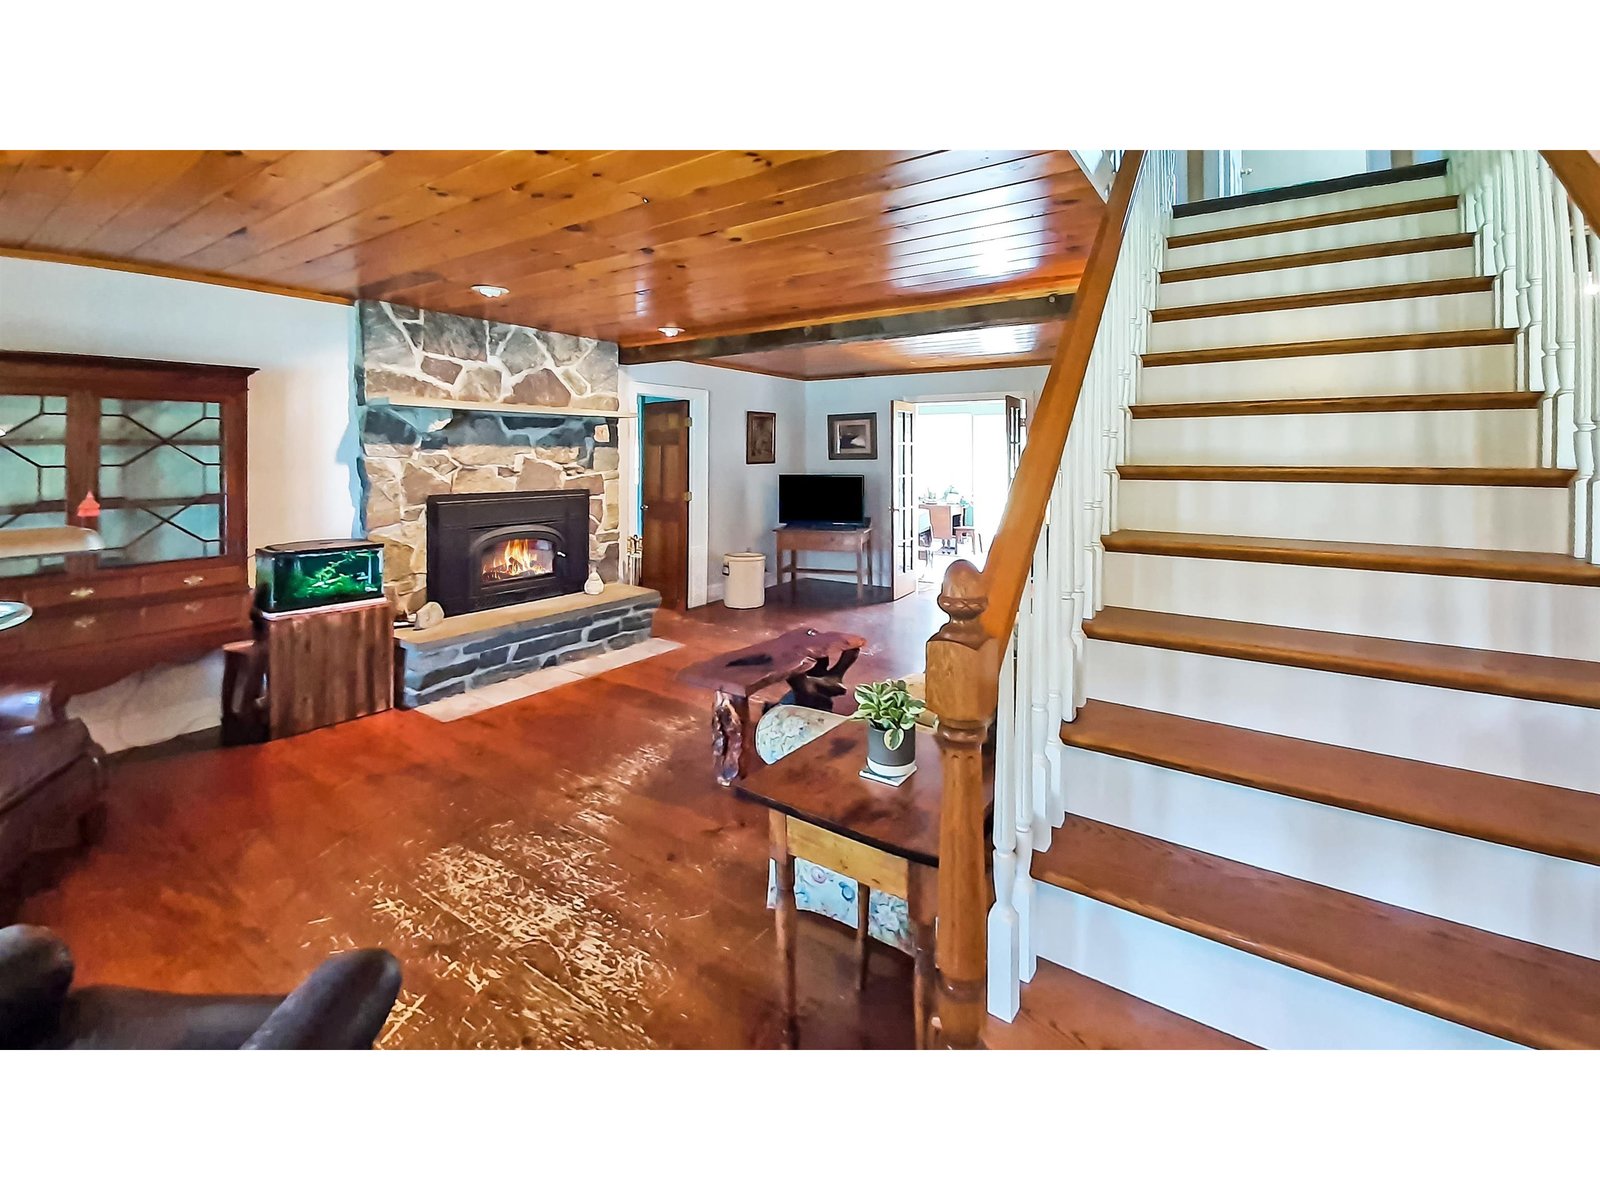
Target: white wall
column 875, row 394
column 302, row 443
column 743, row 498
column 301, row 438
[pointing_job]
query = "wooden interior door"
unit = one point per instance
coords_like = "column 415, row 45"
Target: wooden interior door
column 903, row 514
column 1016, row 433
column 664, row 522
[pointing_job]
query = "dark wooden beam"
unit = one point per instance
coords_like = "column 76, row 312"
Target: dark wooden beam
column 995, row 313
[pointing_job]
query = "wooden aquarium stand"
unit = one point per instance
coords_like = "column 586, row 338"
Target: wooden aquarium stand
column 307, row 669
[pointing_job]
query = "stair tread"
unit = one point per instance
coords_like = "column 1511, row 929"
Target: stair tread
column 1497, row 672
column 1537, row 817
column 1421, row 402
column 1315, row 187
column 1362, row 295
column 1312, row 258
column 1527, row 565
column 1343, row 216
column 1063, row 1010
column 1551, row 477
column 1502, row 986
column 1449, row 339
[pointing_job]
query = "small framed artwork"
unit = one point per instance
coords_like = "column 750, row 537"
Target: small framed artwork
column 853, row 435
column 760, row 437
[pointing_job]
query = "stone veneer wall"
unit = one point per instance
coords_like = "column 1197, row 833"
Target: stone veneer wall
column 409, row 453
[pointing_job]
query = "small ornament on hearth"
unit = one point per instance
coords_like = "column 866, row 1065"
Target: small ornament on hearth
column 593, row 585
column 429, row 615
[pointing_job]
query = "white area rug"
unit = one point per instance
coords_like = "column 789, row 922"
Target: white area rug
column 477, row 700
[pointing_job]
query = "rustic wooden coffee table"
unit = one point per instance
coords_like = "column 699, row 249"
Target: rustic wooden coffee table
column 885, row 838
column 812, row 662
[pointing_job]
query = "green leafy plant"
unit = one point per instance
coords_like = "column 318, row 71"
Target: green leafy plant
column 889, row 706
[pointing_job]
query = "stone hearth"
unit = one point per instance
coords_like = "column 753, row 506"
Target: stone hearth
column 485, row 647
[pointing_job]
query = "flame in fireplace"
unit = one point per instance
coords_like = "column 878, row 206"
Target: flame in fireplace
column 518, row 558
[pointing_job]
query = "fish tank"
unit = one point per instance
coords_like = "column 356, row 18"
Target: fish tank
column 298, row 575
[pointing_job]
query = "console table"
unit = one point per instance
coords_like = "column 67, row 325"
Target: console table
column 793, row 539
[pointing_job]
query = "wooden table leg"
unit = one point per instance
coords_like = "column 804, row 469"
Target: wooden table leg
column 861, row 564
column 922, row 905
column 732, row 737
column 863, row 938
column 784, row 916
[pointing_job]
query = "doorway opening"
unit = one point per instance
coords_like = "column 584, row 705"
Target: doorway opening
column 953, row 461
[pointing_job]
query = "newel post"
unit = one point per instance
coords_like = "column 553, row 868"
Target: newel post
column 963, row 689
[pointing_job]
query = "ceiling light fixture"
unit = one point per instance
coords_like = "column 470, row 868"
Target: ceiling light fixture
column 489, row 290
column 670, row 330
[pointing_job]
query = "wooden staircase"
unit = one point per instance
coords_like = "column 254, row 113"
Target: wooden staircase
column 1331, row 786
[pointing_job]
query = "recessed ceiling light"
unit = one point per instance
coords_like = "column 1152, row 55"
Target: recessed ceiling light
column 670, row 330
column 489, row 290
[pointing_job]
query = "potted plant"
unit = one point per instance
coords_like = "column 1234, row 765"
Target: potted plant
column 890, row 711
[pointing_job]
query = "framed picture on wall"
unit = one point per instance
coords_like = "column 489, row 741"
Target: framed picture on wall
column 760, row 437
column 853, row 435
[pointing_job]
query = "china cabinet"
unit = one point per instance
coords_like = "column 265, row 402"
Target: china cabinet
column 151, row 456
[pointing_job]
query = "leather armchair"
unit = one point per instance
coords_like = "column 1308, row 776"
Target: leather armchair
column 50, row 786
column 342, row 1005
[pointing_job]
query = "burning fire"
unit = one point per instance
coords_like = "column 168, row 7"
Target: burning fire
column 519, row 557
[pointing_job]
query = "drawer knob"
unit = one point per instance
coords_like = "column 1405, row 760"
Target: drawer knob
column 193, row 607
column 82, row 593
column 83, row 622
column 191, row 580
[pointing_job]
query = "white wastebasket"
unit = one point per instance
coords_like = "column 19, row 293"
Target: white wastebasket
column 746, row 574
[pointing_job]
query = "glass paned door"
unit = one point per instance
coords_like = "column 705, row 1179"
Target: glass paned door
column 160, row 474
column 33, row 472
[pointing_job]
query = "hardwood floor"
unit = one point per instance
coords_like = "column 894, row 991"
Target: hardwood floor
column 561, row 871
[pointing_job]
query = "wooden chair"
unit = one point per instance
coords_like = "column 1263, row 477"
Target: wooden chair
column 942, row 525
column 969, row 533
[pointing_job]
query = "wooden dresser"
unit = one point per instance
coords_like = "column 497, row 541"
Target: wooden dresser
column 152, row 456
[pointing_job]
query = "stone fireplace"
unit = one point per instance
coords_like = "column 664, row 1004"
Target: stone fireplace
column 491, row 549
column 459, row 406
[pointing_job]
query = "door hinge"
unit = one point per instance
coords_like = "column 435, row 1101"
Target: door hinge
column 687, row 497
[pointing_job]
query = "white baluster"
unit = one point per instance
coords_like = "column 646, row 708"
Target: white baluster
column 1003, row 928
column 1589, row 373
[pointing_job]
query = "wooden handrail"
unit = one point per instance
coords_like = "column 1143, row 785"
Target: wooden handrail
column 1005, row 571
column 963, row 680
column 1579, row 173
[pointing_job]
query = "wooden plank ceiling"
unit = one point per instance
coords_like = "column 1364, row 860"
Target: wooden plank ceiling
column 608, row 244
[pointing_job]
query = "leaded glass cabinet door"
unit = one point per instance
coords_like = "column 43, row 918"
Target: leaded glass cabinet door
column 33, row 473
column 161, row 480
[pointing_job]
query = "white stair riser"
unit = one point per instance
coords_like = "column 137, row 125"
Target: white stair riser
column 1534, row 897
column 1464, row 438
column 1498, row 735
column 1473, row 518
column 1325, row 277
column 1322, row 237
column 1260, row 1001
column 1386, row 373
column 1423, row 314
column 1558, row 621
column 1284, row 210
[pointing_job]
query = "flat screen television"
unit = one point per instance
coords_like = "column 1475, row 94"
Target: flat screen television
column 822, row 499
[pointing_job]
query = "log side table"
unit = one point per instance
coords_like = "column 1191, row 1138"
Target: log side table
column 813, row 663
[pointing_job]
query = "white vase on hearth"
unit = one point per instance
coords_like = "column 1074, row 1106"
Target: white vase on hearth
column 593, row 585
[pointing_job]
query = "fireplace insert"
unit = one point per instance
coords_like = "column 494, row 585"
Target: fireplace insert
column 489, row 549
